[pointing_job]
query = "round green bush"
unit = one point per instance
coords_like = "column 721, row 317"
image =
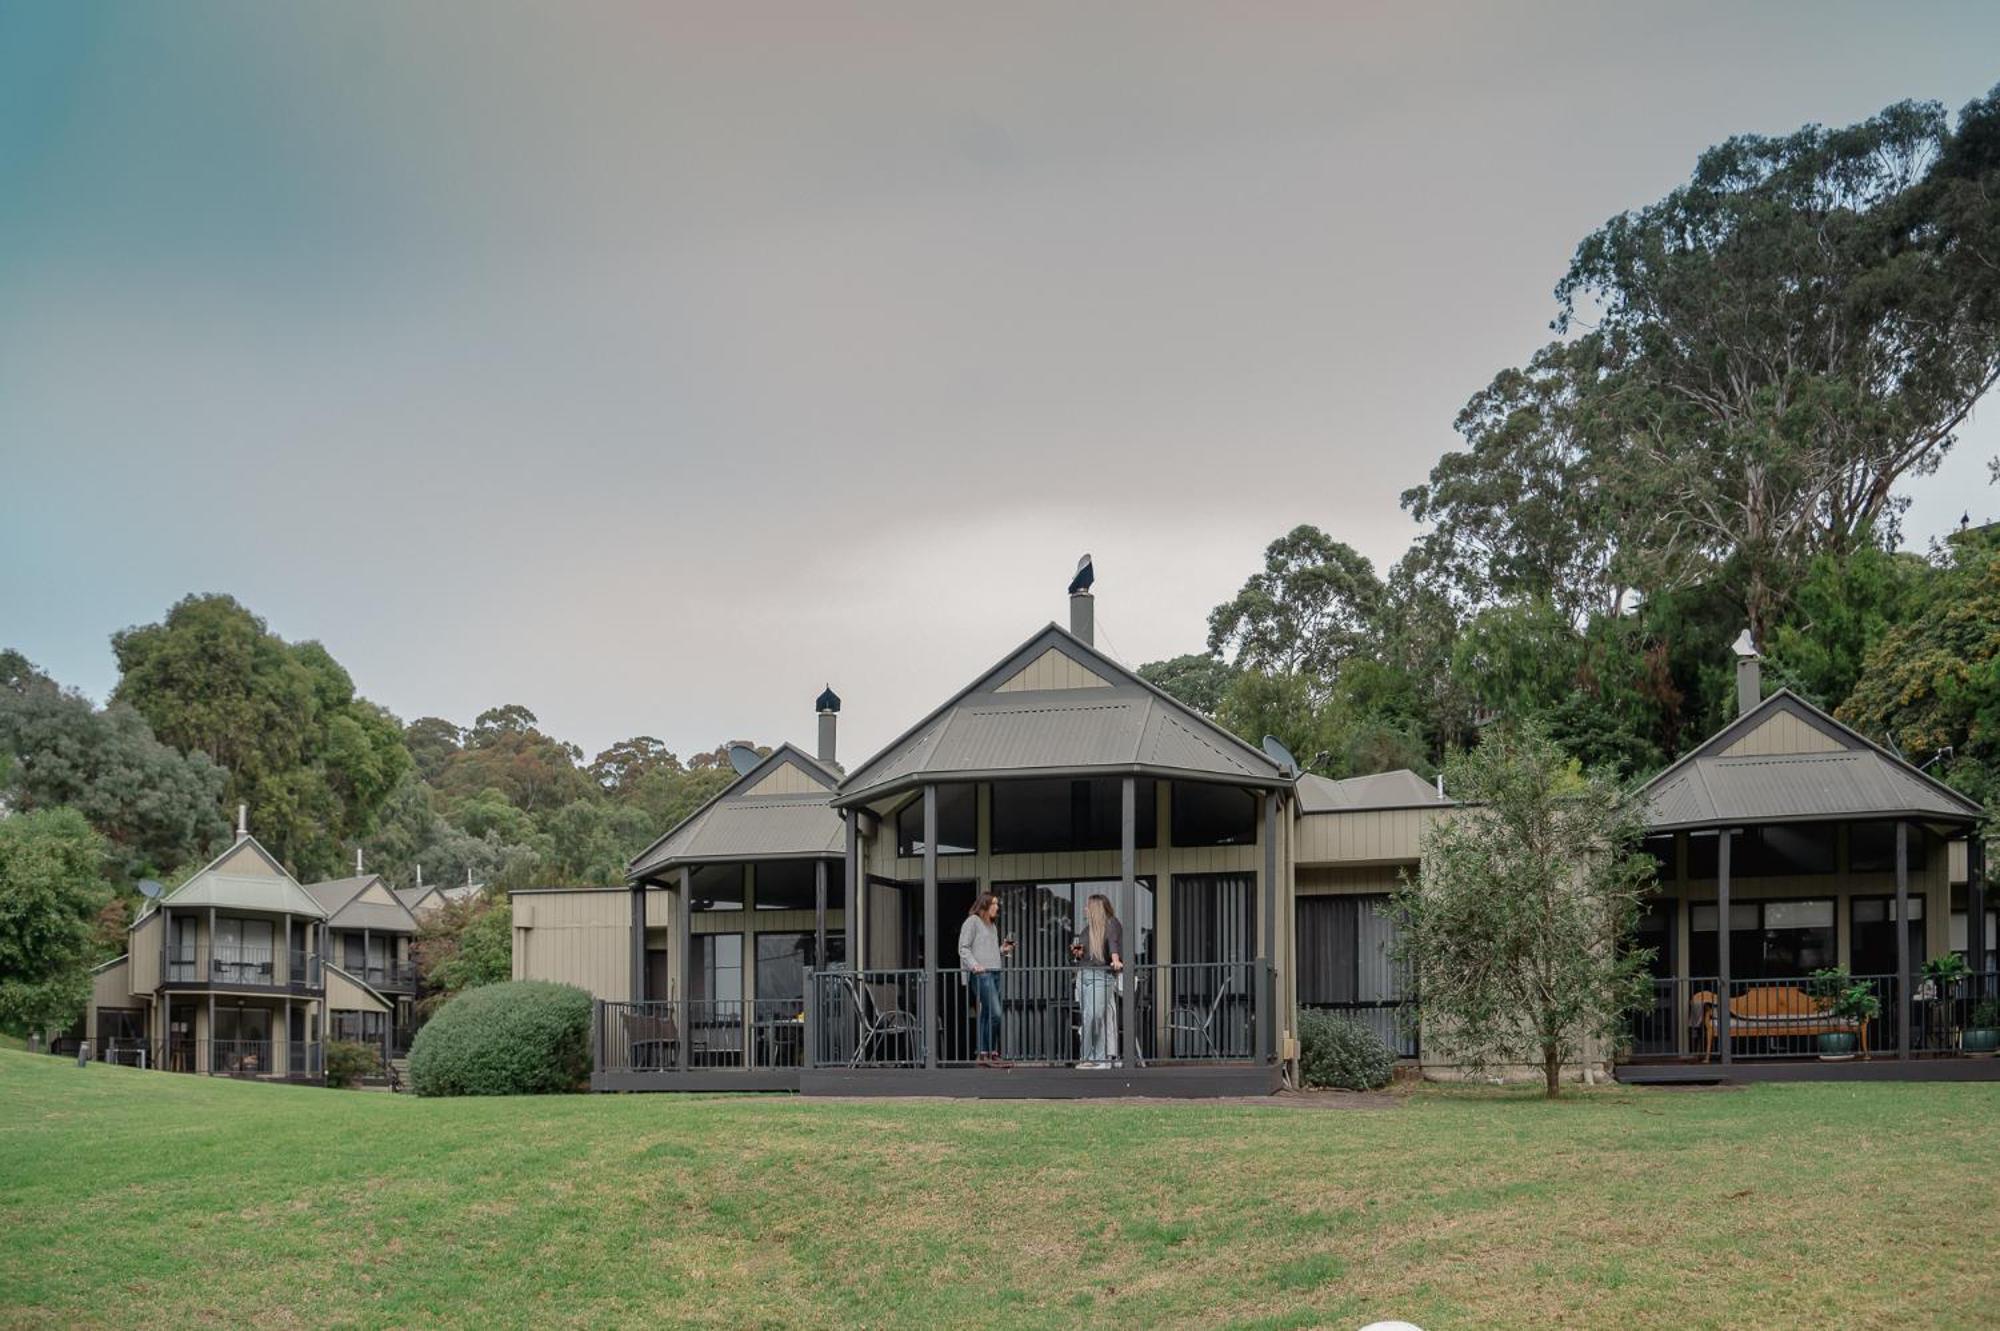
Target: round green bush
column 521, row 1037
column 1337, row 1050
column 348, row 1062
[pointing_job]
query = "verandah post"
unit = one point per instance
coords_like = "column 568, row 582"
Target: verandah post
column 1128, row 894
column 1723, row 839
column 930, row 1004
column 1903, row 938
column 1975, row 913
column 684, row 945
column 1265, row 1019
column 638, row 985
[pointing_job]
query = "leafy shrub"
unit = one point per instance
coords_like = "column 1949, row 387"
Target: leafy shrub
column 348, row 1061
column 1336, row 1050
column 519, row 1037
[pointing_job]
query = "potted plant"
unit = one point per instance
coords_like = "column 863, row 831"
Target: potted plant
column 1982, row 1029
column 1841, row 998
column 1941, row 978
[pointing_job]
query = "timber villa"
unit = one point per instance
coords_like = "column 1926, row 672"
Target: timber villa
column 241, row 971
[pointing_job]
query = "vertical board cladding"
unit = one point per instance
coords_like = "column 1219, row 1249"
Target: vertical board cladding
column 143, row 945
column 1365, row 835
column 581, row 937
column 1053, row 669
column 787, row 778
column 1783, row 732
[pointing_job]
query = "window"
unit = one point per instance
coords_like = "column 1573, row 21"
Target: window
column 118, row 1023
column 1042, row 918
column 1958, row 937
column 958, row 822
column 1655, row 930
column 1209, row 815
column 1767, row 939
column 1661, row 849
column 715, row 887
column 718, row 968
column 242, row 951
column 1775, row 850
column 1871, row 847
column 1033, row 816
column 786, row 885
column 1871, row 947
column 783, row 960
column 1215, row 918
column 1344, row 963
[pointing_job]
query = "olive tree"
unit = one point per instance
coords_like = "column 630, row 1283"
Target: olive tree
column 1515, row 928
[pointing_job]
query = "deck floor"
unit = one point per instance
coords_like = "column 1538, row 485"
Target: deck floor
column 1747, row 1070
column 1022, row 1082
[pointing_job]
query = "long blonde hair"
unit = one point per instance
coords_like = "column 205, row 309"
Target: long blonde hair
column 1097, row 914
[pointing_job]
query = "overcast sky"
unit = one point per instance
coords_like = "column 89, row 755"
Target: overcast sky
column 654, row 367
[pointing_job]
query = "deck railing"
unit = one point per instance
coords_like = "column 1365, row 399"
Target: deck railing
column 296, row 971
column 699, row 1035
column 385, row 974
column 1785, row 1018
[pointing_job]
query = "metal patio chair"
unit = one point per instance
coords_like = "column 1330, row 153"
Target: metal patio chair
column 881, row 1013
column 1197, row 1024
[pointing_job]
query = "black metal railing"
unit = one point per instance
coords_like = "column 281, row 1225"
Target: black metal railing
column 1786, row 1018
column 866, row 1019
column 384, row 974
column 297, row 970
column 700, row 1034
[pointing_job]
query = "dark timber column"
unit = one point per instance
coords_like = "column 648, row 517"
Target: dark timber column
column 850, row 896
column 1261, row 1001
column 684, row 944
column 289, row 977
column 1128, row 901
column 639, row 994
column 930, row 926
column 819, row 915
column 1903, row 937
column 1975, row 912
column 211, row 1017
column 1724, row 837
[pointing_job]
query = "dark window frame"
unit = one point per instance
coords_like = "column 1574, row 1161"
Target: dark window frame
column 910, row 822
column 1737, row 955
column 1088, row 830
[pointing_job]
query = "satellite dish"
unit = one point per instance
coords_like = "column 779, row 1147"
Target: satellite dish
column 742, row 757
column 150, row 889
column 1275, row 750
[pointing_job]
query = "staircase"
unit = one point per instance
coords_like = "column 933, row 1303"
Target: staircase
column 399, row 1073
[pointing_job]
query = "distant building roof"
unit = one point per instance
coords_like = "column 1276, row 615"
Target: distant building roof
column 1057, row 706
column 749, row 820
column 1401, row 789
column 267, row 889
column 1847, row 777
column 339, row 897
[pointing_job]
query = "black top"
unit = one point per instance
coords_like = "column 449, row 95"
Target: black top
column 1114, row 944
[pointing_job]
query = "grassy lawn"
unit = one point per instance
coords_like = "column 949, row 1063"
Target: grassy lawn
column 132, row 1198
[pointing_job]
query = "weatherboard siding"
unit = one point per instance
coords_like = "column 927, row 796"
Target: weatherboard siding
column 1365, row 836
column 1053, row 669
column 1783, row 732
column 785, row 779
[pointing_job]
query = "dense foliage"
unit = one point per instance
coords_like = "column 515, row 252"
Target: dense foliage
column 522, row 1037
column 462, row 945
column 51, row 889
column 1337, row 1051
column 1508, row 929
column 348, row 1061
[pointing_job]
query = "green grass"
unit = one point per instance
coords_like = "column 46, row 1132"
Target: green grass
column 149, row 1199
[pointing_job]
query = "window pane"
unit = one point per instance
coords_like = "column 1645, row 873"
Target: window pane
column 958, row 822
column 1871, row 848
column 1210, row 815
column 781, row 965
column 1799, row 915
column 717, row 887
column 1783, row 849
column 786, row 885
column 1060, row 815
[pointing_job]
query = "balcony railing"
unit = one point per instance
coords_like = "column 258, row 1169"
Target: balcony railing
column 242, row 966
column 303, row 1060
column 700, row 1035
column 383, row 974
column 1785, row 1018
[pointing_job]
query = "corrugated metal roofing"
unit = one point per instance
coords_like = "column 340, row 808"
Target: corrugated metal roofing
column 981, row 732
column 338, row 897
column 737, row 825
column 244, row 892
column 1861, row 781
column 1400, row 789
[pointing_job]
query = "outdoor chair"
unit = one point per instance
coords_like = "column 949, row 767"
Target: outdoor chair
column 652, row 1041
column 882, row 1016
column 1192, row 1027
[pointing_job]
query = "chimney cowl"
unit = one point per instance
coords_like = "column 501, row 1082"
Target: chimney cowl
column 1749, row 674
column 828, row 701
column 828, row 706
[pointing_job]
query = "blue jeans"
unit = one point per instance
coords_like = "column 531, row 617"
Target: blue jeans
column 1097, row 1001
column 986, row 996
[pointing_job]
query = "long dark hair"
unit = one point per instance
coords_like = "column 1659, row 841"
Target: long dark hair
column 981, row 902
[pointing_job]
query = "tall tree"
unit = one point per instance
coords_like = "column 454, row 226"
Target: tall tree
column 432, row 741
column 50, row 894
column 1514, row 929
column 314, row 762
column 1197, row 679
column 1308, row 610
column 621, row 767
column 156, row 808
column 1790, row 334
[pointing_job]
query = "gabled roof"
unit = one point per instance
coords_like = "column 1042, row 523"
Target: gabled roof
column 214, row 885
column 1852, row 778
column 1108, row 721
column 341, row 898
column 413, row 898
column 742, row 823
column 1401, row 789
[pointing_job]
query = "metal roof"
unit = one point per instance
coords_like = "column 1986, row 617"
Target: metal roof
column 736, row 825
column 1861, row 780
column 212, row 885
column 1127, row 726
column 1401, row 789
column 339, row 898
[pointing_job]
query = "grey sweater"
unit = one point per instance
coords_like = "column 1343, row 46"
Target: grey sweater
column 978, row 945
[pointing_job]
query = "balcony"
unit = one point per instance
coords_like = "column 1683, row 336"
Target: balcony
column 262, row 1060
column 1201, row 1029
column 385, row 975
column 242, row 967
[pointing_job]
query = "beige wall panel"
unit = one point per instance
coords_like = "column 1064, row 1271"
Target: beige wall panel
column 1361, row 879
column 243, row 860
column 1053, row 670
column 344, row 995
column 1781, row 732
column 1958, row 862
column 143, row 951
column 1364, row 836
column 579, row 938
column 788, row 778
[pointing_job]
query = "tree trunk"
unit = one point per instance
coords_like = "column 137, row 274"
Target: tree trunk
column 1552, row 1069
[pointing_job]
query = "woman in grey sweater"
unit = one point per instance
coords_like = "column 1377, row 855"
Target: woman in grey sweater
column 1100, row 953
column 980, row 956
